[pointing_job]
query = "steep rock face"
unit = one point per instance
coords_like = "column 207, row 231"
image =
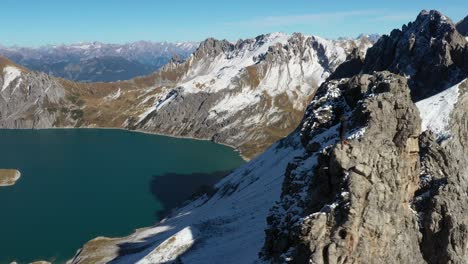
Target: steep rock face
column 32, row 99
column 430, row 51
column 442, row 198
column 338, row 203
column 462, row 26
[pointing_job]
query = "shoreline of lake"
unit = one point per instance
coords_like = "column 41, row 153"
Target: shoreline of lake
column 143, row 132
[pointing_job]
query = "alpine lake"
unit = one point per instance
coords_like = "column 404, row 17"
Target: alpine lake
column 78, row 184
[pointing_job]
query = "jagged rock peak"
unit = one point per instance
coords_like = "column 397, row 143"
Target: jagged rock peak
column 462, row 26
column 213, row 47
column 429, row 51
column 338, row 203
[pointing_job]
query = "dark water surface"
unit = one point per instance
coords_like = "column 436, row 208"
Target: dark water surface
column 77, row 184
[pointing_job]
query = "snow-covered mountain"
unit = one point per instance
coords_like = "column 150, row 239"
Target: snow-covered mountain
column 381, row 191
column 98, row 61
column 246, row 94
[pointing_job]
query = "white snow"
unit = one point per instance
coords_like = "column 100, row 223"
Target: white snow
column 113, row 96
column 10, row 73
column 358, row 133
column 216, row 74
column 236, row 101
column 170, row 248
column 435, row 111
column 157, row 106
column 294, row 75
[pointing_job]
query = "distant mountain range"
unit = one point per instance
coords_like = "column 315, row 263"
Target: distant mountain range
column 100, row 62
column 91, row 62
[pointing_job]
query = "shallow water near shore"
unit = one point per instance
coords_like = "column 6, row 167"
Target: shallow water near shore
column 77, row 184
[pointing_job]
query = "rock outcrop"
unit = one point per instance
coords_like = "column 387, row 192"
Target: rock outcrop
column 462, row 26
column 32, row 100
column 346, row 202
column 442, row 197
column 429, row 51
column 390, row 195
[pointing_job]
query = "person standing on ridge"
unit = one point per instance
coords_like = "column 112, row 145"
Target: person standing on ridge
column 343, row 127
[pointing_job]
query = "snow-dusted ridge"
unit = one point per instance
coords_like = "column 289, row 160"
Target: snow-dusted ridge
column 435, row 111
column 263, row 83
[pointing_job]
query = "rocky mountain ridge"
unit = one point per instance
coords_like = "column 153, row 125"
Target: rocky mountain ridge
column 247, row 94
column 429, row 51
column 367, row 177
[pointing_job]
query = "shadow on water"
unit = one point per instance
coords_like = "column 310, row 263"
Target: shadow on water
column 173, row 189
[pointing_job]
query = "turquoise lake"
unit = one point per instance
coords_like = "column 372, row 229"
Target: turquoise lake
column 77, row 184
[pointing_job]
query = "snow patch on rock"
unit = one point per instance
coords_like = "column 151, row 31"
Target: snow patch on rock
column 435, row 111
column 171, row 248
column 10, row 73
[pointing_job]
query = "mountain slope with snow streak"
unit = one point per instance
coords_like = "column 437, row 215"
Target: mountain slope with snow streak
column 248, row 94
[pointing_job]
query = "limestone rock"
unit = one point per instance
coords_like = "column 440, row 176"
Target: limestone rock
column 355, row 204
column 430, row 51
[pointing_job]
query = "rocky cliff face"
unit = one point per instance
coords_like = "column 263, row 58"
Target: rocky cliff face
column 441, row 199
column 390, row 195
column 32, row 100
column 341, row 207
column 429, row 51
column 462, row 26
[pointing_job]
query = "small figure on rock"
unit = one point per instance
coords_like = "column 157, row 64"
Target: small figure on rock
column 343, row 127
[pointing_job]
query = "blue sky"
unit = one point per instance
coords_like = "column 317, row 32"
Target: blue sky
column 39, row 22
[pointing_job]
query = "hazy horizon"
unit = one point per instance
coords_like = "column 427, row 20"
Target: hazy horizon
column 53, row 22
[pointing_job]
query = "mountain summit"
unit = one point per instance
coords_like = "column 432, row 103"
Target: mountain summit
column 429, row 51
